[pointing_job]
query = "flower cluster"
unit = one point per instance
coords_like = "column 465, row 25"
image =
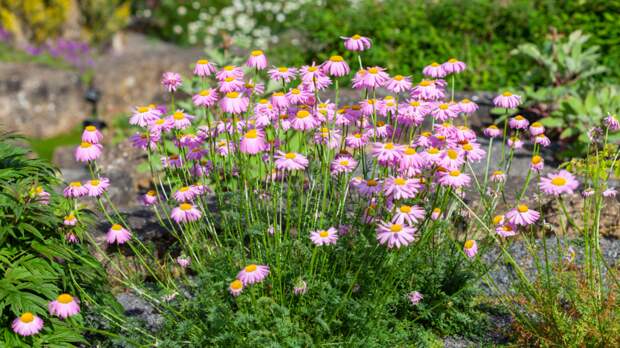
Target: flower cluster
column 28, row 323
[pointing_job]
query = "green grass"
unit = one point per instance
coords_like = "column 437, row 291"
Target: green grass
column 45, row 147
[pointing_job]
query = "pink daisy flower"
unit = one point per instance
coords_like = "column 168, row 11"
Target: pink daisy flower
column 279, row 100
column 234, row 103
column 453, row 66
column 186, row 194
column 355, row 140
column 75, row 190
column 373, row 77
column 298, row 96
column 514, row 142
column 343, row 164
column 91, row 135
column 185, row 212
column 498, row 176
column 253, row 142
column 290, row 161
column 415, row 297
column 171, row 81
column 454, row 178
column 537, row 129
column 300, row 288
column 42, row 196
column 118, row 234
column 230, row 84
column 369, row 187
column 257, row 60
column 542, row 140
column 522, row 215
column 144, row 115
column 394, row 235
column 428, row 90
column 408, row 214
column 492, row 131
column 204, row 68
column 388, row 153
column 149, row 198
column 229, row 71
column 236, row 287
column 180, row 120
column 27, row 324
column 253, row 273
column 467, row 106
column 436, row 214
column 411, row 159
column 282, row 73
column 97, row 187
column 356, row 43
column 336, row 66
column 303, row 120
column 398, row 84
column 324, row 237
column 610, row 192
column 70, row 220
column 472, row 152
column 507, row 100
column 470, row 248
column 434, row 70
column 506, row 230
column 537, row 163
column 444, row 112
column 451, row 159
column 329, row 137
column 64, row 306
column 87, row 152
column 518, row 122
column 401, row 188
column 558, row 183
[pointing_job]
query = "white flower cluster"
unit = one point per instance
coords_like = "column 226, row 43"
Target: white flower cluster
column 249, row 23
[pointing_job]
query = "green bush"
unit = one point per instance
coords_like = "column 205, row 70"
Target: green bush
column 36, row 263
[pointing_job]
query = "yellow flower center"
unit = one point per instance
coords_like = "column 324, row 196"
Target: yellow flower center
column 85, row 145
column 405, row 209
column 492, row 127
column 507, row 228
column 558, row 181
column 117, row 227
column 184, row 189
column 455, row 173
column 229, row 68
column 522, row 208
column 400, row 181
column 395, row 228
column 323, row 234
column 468, row 147
column 469, row 244
column 282, row 69
column 452, row 60
column 336, row 58
column 425, row 83
column 70, row 217
column 178, row 115
column 94, row 183
column 251, row 134
column 205, row 93
column 257, row 53
column 372, row 182
column 312, row 68
column 452, row 154
column 497, row 219
column 39, row 189
column 373, row 70
column 232, row 95
column 26, row 317
column 229, row 79
column 250, row 268
column 388, row 146
column 519, row 118
column 536, row 159
column 414, row 103
column 75, row 184
column 437, row 210
column 151, row 193
column 202, row 62
column 410, row 151
column 185, row 206
column 295, row 91
column 434, row 64
column 507, row 94
column 537, row 125
column 91, row 128
column 356, row 37
column 303, row 113
column 143, row 109
column 498, row 172
column 236, row 284
column 64, row 298
column 433, row 151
